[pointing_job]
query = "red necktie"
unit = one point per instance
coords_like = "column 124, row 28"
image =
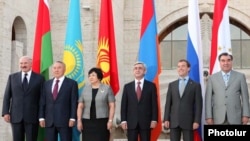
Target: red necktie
column 138, row 90
column 55, row 90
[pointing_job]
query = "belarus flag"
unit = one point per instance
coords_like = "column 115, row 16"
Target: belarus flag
column 42, row 53
column 221, row 41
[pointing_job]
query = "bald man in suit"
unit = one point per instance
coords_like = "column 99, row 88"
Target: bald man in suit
column 21, row 103
column 227, row 97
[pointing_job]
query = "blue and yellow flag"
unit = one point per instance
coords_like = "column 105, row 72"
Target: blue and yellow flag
column 73, row 51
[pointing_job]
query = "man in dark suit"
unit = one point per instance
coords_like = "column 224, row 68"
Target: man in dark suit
column 58, row 105
column 183, row 107
column 21, row 101
column 139, row 112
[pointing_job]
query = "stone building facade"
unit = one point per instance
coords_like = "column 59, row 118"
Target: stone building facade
column 18, row 23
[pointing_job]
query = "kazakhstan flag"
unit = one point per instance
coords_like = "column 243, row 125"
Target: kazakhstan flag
column 73, row 51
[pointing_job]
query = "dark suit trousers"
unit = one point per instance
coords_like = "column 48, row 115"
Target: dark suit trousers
column 144, row 134
column 64, row 132
column 175, row 134
column 24, row 130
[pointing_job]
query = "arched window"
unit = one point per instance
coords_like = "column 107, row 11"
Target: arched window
column 173, row 46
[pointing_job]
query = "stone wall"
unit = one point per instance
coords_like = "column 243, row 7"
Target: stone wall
column 127, row 21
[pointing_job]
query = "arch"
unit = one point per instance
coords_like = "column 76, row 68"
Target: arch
column 179, row 17
column 19, row 31
column 19, row 41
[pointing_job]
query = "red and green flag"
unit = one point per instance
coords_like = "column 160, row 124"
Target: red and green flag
column 42, row 53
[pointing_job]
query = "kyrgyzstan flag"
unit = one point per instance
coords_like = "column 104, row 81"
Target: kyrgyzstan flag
column 106, row 57
column 42, row 53
column 221, row 40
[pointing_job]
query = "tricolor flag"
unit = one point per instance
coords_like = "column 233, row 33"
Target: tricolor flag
column 221, row 40
column 42, row 53
column 194, row 55
column 149, row 54
column 73, row 51
column 106, row 56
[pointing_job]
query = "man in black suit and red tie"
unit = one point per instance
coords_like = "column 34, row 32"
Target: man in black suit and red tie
column 21, row 101
column 139, row 111
column 58, row 105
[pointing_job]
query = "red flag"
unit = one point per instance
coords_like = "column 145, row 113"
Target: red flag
column 149, row 54
column 42, row 53
column 197, row 136
column 106, row 57
column 221, row 40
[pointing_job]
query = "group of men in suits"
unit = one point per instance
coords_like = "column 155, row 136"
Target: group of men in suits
column 226, row 100
column 25, row 107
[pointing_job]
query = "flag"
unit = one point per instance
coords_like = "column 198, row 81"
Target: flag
column 221, row 40
column 73, row 51
column 42, row 53
column 106, row 55
column 194, row 55
column 149, row 54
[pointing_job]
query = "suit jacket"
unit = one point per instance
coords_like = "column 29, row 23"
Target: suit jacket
column 21, row 104
column 103, row 97
column 139, row 112
column 183, row 111
column 232, row 100
column 61, row 110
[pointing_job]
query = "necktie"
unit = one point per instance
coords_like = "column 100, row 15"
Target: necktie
column 182, row 86
column 25, row 82
column 226, row 78
column 55, row 90
column 138, row 90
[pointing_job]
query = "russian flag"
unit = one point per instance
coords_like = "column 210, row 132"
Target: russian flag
column 221, row 40
column 194, row 54
column 149, row 54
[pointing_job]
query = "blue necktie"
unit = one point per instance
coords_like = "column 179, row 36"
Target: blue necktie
column 226, row 78
column 182, row 86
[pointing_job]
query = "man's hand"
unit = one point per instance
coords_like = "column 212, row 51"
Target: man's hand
column 124, row 126
column 245, row 120
column 210, row 121
column 153, row 124
column 166, row 124
column 42, row 123
column 7, row 118
column 71, row 123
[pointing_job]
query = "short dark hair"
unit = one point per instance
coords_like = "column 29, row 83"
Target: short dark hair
column 98, row 71
column 186, row 61
column 225, row 54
